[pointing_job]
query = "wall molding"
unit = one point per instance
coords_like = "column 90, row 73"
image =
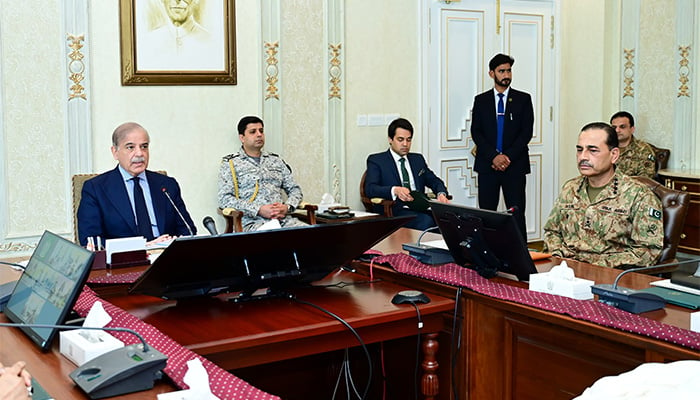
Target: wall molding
column 272, row 56
column 334, row 135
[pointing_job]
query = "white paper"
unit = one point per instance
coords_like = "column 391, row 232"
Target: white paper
column 666, row 283
column 197, row 379
column 123, row 244
column 269, row 225
column 440, row 244
column 695, row 321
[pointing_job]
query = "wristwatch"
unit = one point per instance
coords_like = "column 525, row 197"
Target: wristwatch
column 290, row 208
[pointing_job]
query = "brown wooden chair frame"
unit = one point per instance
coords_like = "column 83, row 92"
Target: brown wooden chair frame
column 234, row 218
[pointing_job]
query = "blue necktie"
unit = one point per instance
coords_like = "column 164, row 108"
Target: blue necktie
column 143, row 222
column 500, row 119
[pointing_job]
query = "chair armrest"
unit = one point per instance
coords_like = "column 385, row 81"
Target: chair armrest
column 310, row 211
column 386, row 205
column 234, row 219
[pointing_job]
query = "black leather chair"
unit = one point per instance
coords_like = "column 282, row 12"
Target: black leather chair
column 675, row 208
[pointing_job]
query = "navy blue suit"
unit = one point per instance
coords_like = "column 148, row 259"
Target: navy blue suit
column 517, row 132
column 382, row 175
column 105, row 209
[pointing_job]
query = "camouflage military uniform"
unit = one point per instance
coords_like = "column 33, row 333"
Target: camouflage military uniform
column 257, row 185
column 623, row 225
column 637, row 159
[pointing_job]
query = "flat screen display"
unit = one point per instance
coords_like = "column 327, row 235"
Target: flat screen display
column 486, row 241
column 49, row 286
column 247, row 261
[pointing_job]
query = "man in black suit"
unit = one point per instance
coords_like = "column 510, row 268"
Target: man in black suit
column 502, row 122
column 389, row 176
column 111, row 203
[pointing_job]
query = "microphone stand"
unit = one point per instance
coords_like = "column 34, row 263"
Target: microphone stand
column 634, row 301
column 124, row 370
column 178, row 211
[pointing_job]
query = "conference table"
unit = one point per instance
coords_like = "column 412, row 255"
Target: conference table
column 517, row 351
column 508, row 350
column 253, row 339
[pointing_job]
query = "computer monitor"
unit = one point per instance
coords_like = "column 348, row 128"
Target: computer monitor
column 245, row 262
column 486, row 241
column 49, row 286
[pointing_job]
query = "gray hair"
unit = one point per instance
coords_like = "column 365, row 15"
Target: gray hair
column 125, row 128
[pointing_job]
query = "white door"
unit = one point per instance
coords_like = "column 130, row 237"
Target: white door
column 461, row 39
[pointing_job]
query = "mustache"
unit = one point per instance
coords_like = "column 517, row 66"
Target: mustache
column 585, row 163
column 138, row 159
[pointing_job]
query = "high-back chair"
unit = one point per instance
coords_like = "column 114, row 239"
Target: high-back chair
column 370, row 203
column 675, row 205
column 77, row 182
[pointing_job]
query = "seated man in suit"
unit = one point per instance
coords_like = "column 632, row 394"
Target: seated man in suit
column 256, row 182
column 130, row 200
column 389, row 176
column 604, row 217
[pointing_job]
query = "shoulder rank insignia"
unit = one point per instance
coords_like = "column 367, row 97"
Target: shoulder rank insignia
column 654, row 213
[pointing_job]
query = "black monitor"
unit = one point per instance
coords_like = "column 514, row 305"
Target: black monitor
column 486, row 241
column 248, row 261
column 49, row 286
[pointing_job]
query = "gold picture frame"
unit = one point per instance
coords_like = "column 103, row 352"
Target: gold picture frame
column 163, row 43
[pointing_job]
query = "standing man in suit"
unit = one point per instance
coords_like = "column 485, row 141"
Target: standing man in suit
column 130, row 200
column 502, row 122
column 389, row 176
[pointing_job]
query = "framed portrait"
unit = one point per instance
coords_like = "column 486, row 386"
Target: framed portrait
column 178, row 42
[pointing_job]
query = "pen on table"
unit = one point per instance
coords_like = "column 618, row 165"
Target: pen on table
column 90, row 243
column 99, row 243
column 348, row 269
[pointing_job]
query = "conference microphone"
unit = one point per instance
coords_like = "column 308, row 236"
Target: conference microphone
column 210, row 225
column 177, row 210
column 124, row 370
column 630, row 300
column 512, row 210
column 427, row 254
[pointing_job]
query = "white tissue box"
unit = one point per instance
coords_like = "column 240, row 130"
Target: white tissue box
column 80, row 350
column 576, row 289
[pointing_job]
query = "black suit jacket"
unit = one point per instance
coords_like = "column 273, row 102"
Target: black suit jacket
column 105, row 209
column 517, row 130
column 382, row 175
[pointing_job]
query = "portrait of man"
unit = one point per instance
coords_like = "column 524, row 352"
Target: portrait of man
column 180, row 35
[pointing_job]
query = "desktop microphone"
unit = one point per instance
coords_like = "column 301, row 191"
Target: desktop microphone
column 177, row 210
column 210, row 225
column 427, row 254
column 630, row 300
column 124, row 370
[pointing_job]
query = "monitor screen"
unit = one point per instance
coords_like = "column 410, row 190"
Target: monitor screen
column 247, row 261
column 49, row 286
column 486, row 241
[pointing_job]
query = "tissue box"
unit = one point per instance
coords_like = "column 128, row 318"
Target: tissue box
column 576, row 289
column 80, row 350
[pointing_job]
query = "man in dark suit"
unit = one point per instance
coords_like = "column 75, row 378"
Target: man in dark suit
column 113, row 206
column 389, row 176
column 502, row 122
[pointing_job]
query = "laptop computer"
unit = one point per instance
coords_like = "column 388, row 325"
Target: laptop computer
column 49, row 287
